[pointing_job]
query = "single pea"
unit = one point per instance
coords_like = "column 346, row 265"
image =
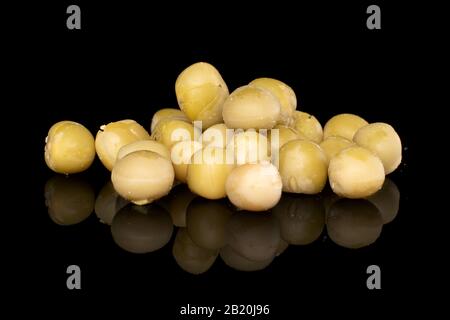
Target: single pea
column 208, row 172
column 167, row 113
column 141, row 229
column 254, row 236
column 181, row 155
column 169, row 132
column 308, row 126
column 148, row 145
column 108, row 203
column 143, row 176
column 236, row 261
column 201, row 92
column 191, row 257
column 354, row 223
column 301, row 217
column 69, row 200
column 69, row 147
column 254, row 187
column 303, row 167
column 383, row 141
column 331, row 146
column 343, row 125
column 113, row 136
column 284, row 93
column 207, row 221
column 250, row 107
column 355, row 172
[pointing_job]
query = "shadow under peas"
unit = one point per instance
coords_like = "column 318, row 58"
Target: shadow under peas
column 245, row 241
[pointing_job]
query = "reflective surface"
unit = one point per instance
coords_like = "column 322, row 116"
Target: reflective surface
column 200, row 230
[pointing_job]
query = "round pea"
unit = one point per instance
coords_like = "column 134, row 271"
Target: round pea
column 308, row 126
column 254, row 187
column 382, row 140
column 303, row 167
column 69, row 147
column 343, row 125
column 201, row 92
column 284, row 93
column 355, row 173
column 208, row 171
column 113, row 136
column 251, row 107
column 143, row 176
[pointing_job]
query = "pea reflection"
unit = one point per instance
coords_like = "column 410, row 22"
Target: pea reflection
column 328, row 198
column 208, row 228
column 236, row 261
column 177, row 202
column 282, row 246
column 354, row 223
column 387, row 200
column 69, row 199
column 141, row 229
column 207, row 221
column 191, row 257
column 254, row 236
column 108, row 203
column 301, row 217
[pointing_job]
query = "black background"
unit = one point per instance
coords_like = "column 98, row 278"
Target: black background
column 123, row 64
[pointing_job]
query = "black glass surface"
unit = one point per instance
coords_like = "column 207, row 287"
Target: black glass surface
column 201, row 230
